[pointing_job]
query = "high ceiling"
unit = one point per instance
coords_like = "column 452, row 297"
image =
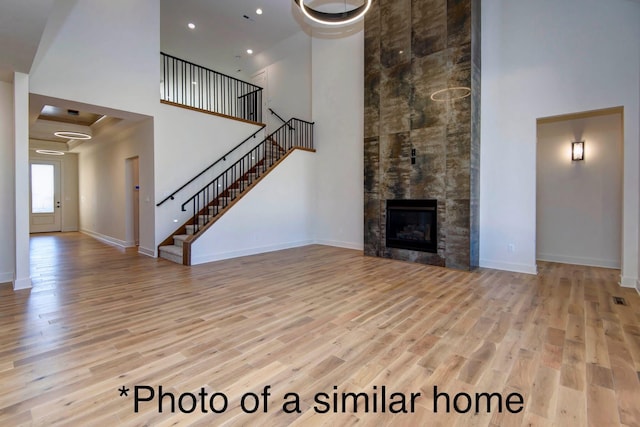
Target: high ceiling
column 225, row 29
column 220, row 39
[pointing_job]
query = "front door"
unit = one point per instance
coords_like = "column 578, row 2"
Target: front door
column 44, row 197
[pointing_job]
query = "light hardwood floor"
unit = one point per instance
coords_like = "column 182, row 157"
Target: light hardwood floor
column 307, row 321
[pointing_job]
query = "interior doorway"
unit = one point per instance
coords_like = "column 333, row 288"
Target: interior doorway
column 580, row 197
column 45, row 214
column 132, row 205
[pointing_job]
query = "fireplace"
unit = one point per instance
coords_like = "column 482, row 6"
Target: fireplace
column 412, row 224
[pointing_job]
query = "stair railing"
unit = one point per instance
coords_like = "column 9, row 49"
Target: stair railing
column 205, row 170
column 189, row 84
column 281, row 119
column 219, row 193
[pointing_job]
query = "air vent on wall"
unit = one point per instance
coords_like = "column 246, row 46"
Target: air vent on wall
column 619, row 301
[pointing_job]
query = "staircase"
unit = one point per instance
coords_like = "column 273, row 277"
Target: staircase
column 218, row 196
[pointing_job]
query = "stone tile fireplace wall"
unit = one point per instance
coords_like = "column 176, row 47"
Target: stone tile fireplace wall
column 414, row 48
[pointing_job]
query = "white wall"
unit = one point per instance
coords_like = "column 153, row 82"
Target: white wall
column 274, row 215
column 7, row 237
column 69, row 186
column 288, row 69
column 186, row 142
column 338, row 111
column 579, row 203
column 103, row 189
column 542, row 59
column 105, row 53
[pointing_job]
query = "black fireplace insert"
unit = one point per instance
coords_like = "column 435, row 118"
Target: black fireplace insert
column 412, row 224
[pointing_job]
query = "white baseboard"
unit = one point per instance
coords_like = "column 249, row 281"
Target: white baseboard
column 638, row 286
column 6, row 277
column 148, row 252
column 591, row 262
column 201, row 259
column 108, row 239
column 628, row 282
column 335, row 243
column 509, row 266
column 23, row 283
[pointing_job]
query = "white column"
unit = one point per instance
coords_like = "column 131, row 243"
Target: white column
column 22, row 279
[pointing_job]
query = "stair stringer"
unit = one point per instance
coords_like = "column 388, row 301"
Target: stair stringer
column 279, row 182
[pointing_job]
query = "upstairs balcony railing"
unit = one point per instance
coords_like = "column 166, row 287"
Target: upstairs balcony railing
column 192, row 85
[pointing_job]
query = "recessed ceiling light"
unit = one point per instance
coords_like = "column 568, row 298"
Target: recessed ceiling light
column 259, row 11
column 250, row 51
column 191, row 25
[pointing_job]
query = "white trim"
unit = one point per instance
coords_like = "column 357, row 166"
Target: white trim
column 346, row 245
column 147, row 252
column 108, row 239
column 638, row 286
column 24, row 283
column 245, row 252
column 591, row 262
column 509, row 266
column 6, row 277
column 628, row 282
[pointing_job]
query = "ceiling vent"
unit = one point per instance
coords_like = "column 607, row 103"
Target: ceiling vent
column 73, row 112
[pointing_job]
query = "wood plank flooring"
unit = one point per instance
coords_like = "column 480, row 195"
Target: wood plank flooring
column 309, row 321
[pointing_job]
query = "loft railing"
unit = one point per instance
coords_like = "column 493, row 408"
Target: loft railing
column 189, row 84
column 217, row 195
column 211, row 166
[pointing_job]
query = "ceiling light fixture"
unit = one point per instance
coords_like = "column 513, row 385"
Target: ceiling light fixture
column 259, row 11
column 334, row 18
column 50, row 152
column 250, row 51
column 451, row 93
column 72, row 135
column 191, row 25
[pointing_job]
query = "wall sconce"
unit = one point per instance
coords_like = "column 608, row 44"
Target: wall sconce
column 577, row 150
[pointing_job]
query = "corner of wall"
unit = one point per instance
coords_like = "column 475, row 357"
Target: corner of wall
column 629, row 282
column 509, row 266
column 23, row 283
